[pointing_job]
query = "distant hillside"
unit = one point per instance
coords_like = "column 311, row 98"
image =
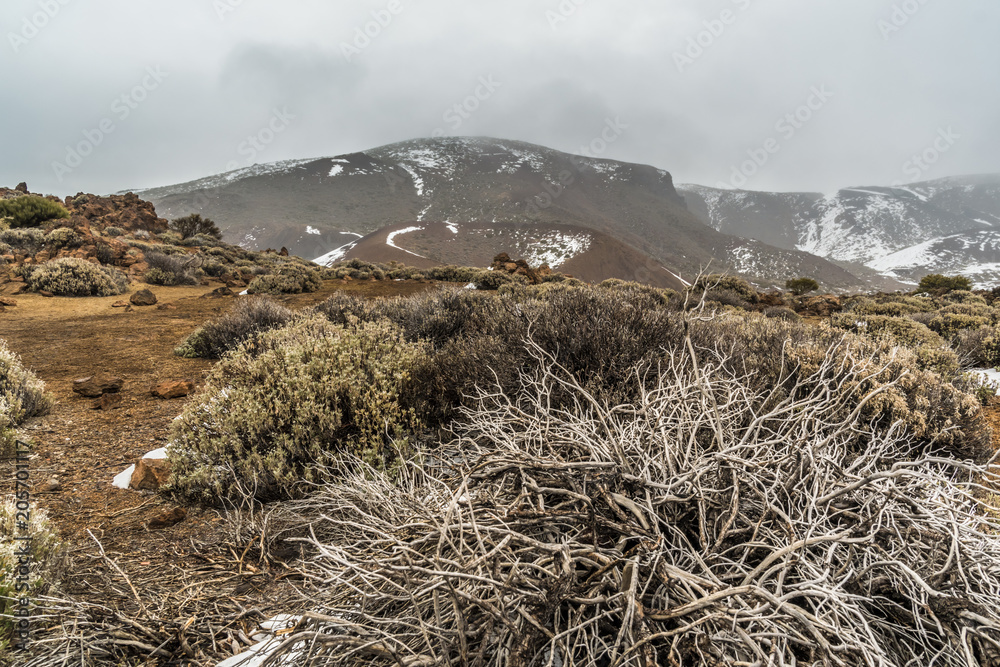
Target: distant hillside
column 582, row 253
column 315, row 207
column 947, row 225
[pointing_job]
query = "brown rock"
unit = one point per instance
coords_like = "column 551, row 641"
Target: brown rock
column 823, row 305
column 166, row 306
column 50, row 485
column 22, row 188
column 96, row 386
column 283, row 252
column 46, row 293
column 172, row 389
column 107, row 402
column 150, row 475
column 7, row 301
column 143, row 298
column 120, row 304
column 167, row 519
column 220, row 292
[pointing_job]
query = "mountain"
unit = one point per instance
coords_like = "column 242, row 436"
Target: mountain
column 317, row 207
column 950, row 225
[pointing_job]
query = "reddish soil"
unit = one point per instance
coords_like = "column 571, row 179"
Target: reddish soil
column 62, row 339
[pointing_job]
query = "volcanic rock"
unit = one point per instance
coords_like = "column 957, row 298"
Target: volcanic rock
column 172, row 389
column 150, row 475
column 143, row 298
column 96, row 386
column 167, row 519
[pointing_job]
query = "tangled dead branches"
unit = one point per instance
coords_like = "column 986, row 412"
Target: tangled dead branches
column 704, row 524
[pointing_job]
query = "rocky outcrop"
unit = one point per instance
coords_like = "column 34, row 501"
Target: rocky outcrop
column 520, row 267
column 150, row 474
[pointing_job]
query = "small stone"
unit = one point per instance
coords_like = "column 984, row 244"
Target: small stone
column 120, row 304
column 150, row 474
column 50, row 485
column 166, row 306
column 167, row 519
column 96, row 386
column 107, row 402
column 6, row 301
column 46, row 293
column 143, row 298
column 172, row 389
column 220, row 292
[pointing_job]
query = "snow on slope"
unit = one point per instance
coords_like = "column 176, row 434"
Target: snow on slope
column 337, row 253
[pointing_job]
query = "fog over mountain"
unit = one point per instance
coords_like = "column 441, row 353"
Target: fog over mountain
column 777, row 96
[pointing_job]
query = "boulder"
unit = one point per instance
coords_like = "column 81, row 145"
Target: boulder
column 96, row 386
column 143, row 298
column 150, row 474
column 7, row 301
column 219, row 293
column 167, row 519
column 172, row 389
column 22, row 188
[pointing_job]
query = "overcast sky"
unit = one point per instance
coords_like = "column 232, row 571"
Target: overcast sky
column 105, row 95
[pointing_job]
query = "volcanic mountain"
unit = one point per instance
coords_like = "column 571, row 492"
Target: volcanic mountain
column 950, row 225
column 498, row 194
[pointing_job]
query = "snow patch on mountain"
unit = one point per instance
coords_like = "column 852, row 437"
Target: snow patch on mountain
column 390, row 240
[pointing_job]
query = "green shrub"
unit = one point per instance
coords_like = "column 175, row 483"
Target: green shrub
column 171, row 238
column 114, row 231
column 939, row 283
column 963, row 297
column 295, row 397
column 900, row 330
column 30, row 211
column 719, row 281
column 193, row 225
column 484, row 279
column 947, row 325
column 800, row 286
column 76, row 277
column 893, row 307
column 288, row 280
column 44, row 554
column 248, row 319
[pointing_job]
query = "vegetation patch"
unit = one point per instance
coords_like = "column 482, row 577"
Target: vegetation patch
column 76, row 277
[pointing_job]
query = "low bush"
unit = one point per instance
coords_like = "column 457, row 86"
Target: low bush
column 290, row 279
column 22, row 396
column 30, row 211
column 41, row 549
column 947, row 325
column 800, row 286
column 248, row 319
column 194, row 225
column 783, row 313
column 900, row 330
column 939, row 283
column 295, row 397
column 63, row 237
column 167, row 270
column 719, row 281
column 27, row 241
column 76, row 277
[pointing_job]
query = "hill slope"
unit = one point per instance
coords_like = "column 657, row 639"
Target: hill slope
column 315, row 207
column 892, row 230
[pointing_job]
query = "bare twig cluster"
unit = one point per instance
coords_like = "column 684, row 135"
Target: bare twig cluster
column 704, row 524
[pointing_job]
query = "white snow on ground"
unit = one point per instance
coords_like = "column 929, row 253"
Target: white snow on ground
column 390, row 240
column 336, row 170
column 418, row 182
column 312, row 230
column 914, row 193
column 453, row 228
column 684, row 282
column 268, row 642
column 556, row 248
column 337, row 253
column 123, row 479
column 917, row 255
column 471, row 286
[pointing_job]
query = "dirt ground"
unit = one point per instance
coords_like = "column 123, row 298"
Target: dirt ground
column 62, row 339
